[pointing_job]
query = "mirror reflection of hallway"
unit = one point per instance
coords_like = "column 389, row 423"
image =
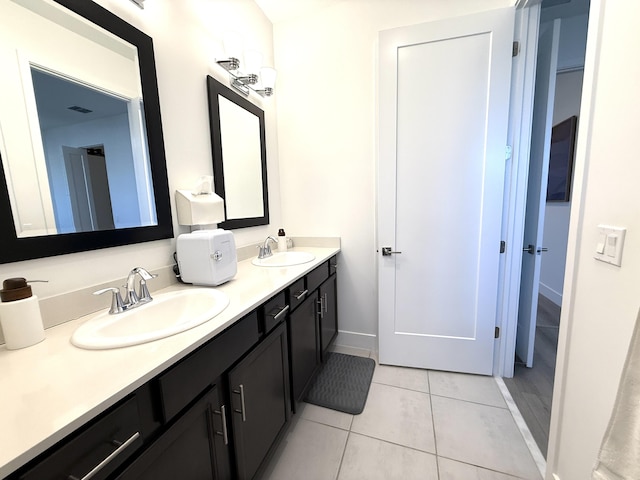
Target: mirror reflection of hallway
column 86, row 172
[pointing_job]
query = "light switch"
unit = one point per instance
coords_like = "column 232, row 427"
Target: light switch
column 610, row 243
column 602, row 239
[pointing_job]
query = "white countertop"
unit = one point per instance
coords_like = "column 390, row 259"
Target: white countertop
column 52, row 388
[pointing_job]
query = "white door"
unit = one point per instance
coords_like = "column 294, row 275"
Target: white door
column 444, row 100
column 547, row 64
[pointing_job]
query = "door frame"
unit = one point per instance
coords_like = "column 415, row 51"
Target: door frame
column 516, row 180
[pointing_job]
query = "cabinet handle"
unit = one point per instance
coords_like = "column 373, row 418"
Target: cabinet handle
column 326, row 303
column 241, row 393
column 108, row 459
column 300, row 295
column 282, row 312
column 225, row 434
column 320, row 308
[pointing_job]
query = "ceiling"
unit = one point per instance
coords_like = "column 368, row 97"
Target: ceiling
column 55, row 96
column 283, row 10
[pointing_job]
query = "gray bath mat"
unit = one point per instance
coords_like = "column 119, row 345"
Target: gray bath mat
column 343, row 383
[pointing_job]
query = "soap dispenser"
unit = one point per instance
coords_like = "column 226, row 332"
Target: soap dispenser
column 282, row 240
column 20, row 316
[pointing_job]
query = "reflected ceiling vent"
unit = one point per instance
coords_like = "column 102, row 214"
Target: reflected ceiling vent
column 554, row 3
column 78, row 109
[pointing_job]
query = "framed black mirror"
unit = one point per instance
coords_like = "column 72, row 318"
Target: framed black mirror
column 80, row 184
column 239, row 156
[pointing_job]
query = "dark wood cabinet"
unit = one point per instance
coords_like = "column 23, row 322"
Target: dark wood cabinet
column 220, row 411
column 303, row 343
column 328, row 314
column 259, row 391
column 99, row 448
column 194, row 447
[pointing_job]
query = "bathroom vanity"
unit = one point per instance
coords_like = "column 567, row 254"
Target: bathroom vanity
column 211, row 402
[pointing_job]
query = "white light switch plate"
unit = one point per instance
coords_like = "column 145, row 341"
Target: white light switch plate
column 609, row 244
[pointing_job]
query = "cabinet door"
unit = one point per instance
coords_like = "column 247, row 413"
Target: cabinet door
column 193, row 448
column 259, row 391
column 329, row 316
column 305, row 358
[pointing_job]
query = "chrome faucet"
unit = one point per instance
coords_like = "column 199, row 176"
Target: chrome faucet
column 265, row 250
column 132, row 299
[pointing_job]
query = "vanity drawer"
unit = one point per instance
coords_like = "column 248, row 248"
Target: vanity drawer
column 184, row 381
column 317, row 276
column 117, row 431
column 333, row 265
column 275, row 311
column 296, row 293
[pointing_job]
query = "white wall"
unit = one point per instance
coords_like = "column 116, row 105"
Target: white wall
column 601, row 301
column 187, row 37
column 573, row 42
column 556, row 217
column 327, row 97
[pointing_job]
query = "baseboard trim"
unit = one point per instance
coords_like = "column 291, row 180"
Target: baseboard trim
column 551, row 294
column 538, row 458
column 365, row 341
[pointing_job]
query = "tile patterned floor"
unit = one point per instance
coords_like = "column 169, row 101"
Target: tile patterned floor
column 417, row 424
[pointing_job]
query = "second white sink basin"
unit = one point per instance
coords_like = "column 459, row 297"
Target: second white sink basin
column 284, row 259
column 168, row 314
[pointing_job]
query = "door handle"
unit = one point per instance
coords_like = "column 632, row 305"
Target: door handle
column 386, row 252
column 224, row 433
column 121, row 446
column 531, row 249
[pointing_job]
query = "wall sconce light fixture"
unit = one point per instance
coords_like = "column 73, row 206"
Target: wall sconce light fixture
column 246, row 80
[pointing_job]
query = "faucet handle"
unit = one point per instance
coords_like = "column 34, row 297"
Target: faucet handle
column 144, row 296
column 117, row 305
column 143, row 273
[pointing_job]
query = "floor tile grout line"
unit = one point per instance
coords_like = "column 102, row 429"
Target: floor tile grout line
column 433, row 426
column 344, row 451
column 392, row 443
column 482, row 467
column 506, row 407
column 535, row 452
column 328, row 424
column 397, row 386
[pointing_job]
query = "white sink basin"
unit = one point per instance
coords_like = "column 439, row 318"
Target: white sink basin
column 284, row 259
column 168, row 314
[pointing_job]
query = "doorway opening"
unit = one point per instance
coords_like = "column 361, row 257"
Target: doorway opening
column 89, row 194
column 532, row 384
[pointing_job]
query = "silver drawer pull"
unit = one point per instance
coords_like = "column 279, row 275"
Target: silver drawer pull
column 320, row 304
column 282, row 312
column 326, row 303
column 108, row 459
column 225, row 434
column 241, row 393
column 300, row 295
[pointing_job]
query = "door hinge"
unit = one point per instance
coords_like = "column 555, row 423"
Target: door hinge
column 515, row 49
column 497, row 333
column 503, row 246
